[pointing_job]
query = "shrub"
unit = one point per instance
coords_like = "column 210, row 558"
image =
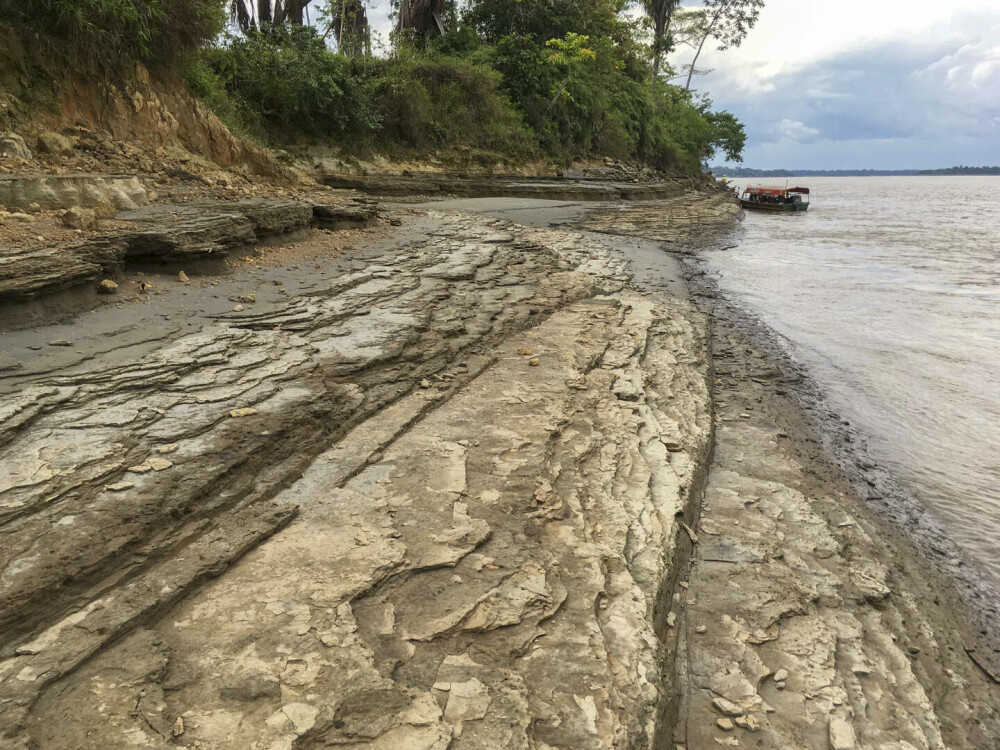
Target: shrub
column 436, row 100
column 284, row 84
column 119, row 33
column 285, row 80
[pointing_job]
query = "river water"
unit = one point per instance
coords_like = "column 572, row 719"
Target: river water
column 888, row 291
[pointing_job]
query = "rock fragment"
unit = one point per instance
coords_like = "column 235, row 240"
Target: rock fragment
column 748, row 722
column 104, row 209
column 841, row 734
column 726, row 707
column 79, row 218
column 54, row 144
column 107, row 287
column 13, row 145
column 302, row 715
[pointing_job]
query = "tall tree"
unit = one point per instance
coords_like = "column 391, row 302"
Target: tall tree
column 688, row 29
column 349, row 24
column 425, row 17
column 660, row 13
column 727, row 22
column 545, row 19
column 268, row 12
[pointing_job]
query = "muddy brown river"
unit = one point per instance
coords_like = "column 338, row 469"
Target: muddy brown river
column 888, row 291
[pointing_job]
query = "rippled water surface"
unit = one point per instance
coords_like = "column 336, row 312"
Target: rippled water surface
column 888, row 289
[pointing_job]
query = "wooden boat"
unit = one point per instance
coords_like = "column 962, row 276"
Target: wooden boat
column 775, row 199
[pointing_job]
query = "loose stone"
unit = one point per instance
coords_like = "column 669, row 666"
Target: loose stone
column 726, row 707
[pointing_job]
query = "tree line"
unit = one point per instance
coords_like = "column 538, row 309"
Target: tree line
column 496, row 79
column 726, row 22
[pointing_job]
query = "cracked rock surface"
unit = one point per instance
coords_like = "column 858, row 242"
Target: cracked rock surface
column 430, row 502
column 440, row 492
column 809, row 623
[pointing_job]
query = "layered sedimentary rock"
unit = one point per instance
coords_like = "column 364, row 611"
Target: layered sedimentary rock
column 55, row 191
column 497, row 443
column 170, row 234
column 808, row 624
column 439, row 496
column 609, row 189
column 693, row 220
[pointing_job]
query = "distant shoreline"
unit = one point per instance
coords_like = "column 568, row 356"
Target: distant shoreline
column 740, row 172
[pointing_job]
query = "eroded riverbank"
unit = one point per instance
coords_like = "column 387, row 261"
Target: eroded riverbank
column 440, row 491
column 809, row 619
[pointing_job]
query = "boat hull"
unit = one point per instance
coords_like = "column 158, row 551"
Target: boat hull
column 775, row 207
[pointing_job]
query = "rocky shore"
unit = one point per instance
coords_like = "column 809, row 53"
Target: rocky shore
column 491, row 474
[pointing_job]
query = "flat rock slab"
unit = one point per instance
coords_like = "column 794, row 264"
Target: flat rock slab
column 801, row 630
column 167, row 233
column 507, row 187
column 469, row 521
column 54, row 192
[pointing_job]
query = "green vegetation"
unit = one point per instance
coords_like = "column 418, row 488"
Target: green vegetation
column 556, row 79
column 283, row 84
column 118, row 33
column 506, row 79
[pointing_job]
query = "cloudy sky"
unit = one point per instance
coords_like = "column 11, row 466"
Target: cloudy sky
column 887, row 84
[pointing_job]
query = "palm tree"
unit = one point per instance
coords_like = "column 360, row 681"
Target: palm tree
column 660, row 12
column 425, row 17
column 248, row 14
column 349, row 24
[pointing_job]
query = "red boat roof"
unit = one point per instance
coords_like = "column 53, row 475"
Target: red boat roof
column 776, row 191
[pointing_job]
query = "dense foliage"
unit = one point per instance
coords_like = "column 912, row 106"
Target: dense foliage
column 118, row 33
column 556, row 79
column 282, row 84
column 521, row 94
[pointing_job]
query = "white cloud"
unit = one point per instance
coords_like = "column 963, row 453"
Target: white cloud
column 794, row 130
column 793, row 32
column 935, row 93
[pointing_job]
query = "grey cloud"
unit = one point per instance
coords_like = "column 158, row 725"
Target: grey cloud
column 941, row 84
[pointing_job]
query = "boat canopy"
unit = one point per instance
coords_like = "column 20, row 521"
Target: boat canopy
column 776, row 191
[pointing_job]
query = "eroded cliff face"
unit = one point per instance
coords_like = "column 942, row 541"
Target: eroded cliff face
column 154, row 110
